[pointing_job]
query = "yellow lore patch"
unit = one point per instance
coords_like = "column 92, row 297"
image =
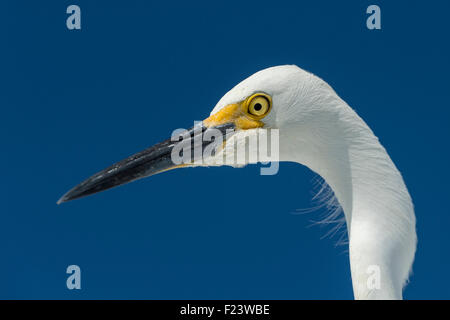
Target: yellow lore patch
column 245, row 114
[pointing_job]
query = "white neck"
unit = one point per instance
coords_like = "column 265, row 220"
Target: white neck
column 340, row 147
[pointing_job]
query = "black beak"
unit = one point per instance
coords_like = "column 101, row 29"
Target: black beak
column 151, row 161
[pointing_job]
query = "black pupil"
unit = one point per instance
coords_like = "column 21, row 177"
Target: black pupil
column 257, row 107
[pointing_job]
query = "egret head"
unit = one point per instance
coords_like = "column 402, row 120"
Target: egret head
column 281, row 98
column 301, row 106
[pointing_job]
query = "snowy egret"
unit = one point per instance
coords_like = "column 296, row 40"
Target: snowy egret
column 319, row 130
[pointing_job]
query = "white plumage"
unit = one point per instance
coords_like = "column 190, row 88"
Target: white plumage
column 319, row 130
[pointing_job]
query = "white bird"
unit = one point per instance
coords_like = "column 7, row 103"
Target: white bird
column 319, row 130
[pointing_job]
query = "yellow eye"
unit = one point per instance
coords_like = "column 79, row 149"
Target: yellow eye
column 259, row 105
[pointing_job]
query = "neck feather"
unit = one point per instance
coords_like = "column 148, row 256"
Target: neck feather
column 378, row 209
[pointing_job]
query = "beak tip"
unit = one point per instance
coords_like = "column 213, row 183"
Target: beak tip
column 64, row 198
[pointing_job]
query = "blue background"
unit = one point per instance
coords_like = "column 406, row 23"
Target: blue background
column 73, row 102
